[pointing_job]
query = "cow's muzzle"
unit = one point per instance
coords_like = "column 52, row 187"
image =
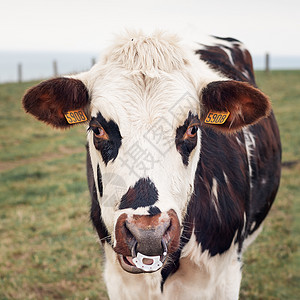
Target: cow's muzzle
column 143, row 242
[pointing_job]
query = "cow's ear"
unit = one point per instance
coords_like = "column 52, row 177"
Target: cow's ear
column 50, row 100
column 246, row 105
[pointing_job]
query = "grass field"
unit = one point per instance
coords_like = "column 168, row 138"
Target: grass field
column 48, row 249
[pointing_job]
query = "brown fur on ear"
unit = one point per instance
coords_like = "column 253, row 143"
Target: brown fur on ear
column 246, row 104
column 49, row 100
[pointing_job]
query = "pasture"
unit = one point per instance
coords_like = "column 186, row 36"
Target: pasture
column 48, row 249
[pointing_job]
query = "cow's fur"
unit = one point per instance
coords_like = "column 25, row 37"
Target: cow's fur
column 219, row 180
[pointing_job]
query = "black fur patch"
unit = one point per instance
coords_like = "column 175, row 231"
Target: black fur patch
column 218, row 59
column 228, row 39
column 265, row 170
column 95, row 213
column 215, row 229
column 154, row 210
column 186, row 146
column 99, row 179
column 109, row 148
column 144, row 193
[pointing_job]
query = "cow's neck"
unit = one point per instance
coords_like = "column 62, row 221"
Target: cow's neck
column 199, row 275
column 205, row 277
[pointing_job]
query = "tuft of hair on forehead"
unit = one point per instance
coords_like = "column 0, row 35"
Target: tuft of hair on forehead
column 148, row 54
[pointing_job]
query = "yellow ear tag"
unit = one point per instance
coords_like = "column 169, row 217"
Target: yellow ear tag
column 75, row 116
column 216, row 118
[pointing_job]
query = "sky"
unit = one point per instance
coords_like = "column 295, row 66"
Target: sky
column 90, row 25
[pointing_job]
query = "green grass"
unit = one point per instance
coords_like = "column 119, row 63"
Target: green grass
column 48, row 249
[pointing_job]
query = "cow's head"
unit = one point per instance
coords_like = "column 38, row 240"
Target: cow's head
column 146, row 103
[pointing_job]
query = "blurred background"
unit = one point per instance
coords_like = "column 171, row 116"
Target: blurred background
column 42, row 38
column 48, row 248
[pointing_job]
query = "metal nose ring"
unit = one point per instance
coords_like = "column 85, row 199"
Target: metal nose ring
column 156, row 262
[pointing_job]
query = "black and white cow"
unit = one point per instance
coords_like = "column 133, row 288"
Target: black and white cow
column 183, row 161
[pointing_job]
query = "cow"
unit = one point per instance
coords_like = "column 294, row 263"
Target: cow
column 183, row 160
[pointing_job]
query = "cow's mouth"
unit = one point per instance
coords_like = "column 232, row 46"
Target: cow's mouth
column 143, row 242
column 140, row 263
column 128, row 265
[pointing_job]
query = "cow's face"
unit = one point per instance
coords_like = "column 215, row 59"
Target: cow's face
column 144, row 137
column 144, row 143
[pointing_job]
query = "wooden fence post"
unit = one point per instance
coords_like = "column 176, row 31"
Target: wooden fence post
column 19, row 73
column 55, row 72
column 267, row 67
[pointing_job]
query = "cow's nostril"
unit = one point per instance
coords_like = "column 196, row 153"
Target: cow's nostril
column 127, row 231
column 144, row 235
column 148, row 235
column 129, row 237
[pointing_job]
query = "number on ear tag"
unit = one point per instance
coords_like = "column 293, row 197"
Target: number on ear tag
column 75, row 116
column 216, row 118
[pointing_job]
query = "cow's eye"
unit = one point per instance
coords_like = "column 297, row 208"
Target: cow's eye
column 191, row 131
column 100, row 133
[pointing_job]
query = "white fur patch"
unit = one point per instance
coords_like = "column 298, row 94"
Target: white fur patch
column 126, row 286
column 201, row 276
column 214, row 196
column 250, row 145
column 132, row 52
column 225, row 177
